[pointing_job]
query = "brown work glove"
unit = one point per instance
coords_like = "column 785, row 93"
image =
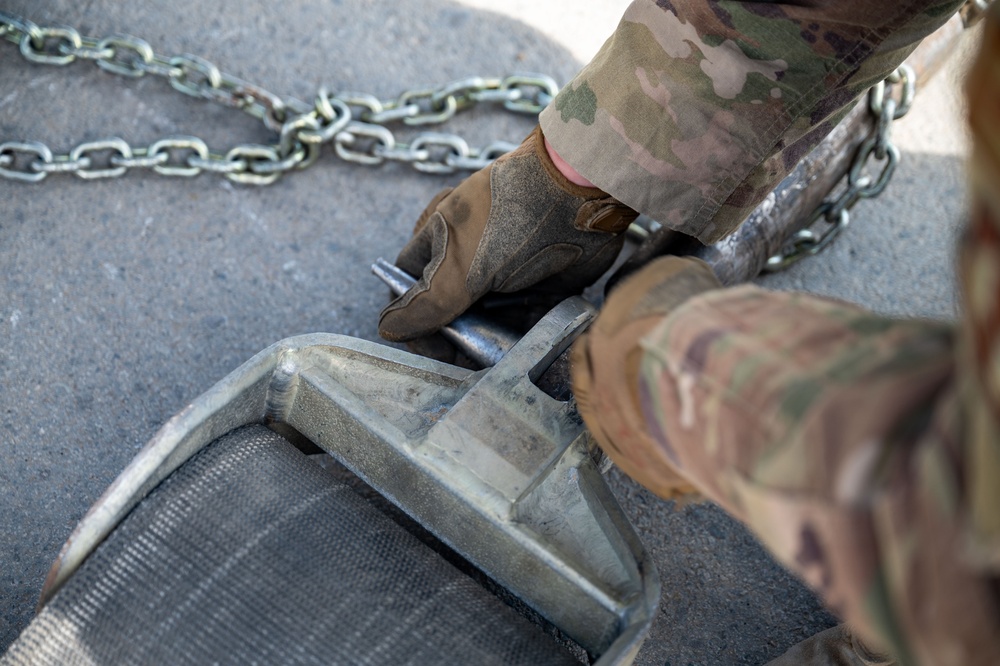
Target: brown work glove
column 605, row 366
column 837, row 646
column 518, row 223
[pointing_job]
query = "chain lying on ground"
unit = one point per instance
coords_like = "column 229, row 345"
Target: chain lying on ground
column 354, row 122
column 835, row 211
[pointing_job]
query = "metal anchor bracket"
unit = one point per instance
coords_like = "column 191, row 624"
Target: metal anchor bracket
column 484, row 459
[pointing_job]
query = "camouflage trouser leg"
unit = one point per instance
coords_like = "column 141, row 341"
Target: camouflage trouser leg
column 694, row 110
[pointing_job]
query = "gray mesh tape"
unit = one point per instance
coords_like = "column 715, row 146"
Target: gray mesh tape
column 251, row 554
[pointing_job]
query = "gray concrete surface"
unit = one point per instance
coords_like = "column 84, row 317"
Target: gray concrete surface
column 122, row 300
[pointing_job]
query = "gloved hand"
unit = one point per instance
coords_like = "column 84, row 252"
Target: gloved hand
column 836, row 646
column 605, row 364
column 518, row 223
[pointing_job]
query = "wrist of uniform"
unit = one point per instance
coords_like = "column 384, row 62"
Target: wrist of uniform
column 568, row 172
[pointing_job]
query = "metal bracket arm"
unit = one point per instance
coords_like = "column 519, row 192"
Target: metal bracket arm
column 486, row 461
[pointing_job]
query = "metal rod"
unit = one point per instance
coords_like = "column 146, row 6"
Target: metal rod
column 478, row 338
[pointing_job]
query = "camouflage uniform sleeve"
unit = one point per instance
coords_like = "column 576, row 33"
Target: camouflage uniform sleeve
column 979, row 354
column 834, row 434
column 863, row 451
column 693, row 111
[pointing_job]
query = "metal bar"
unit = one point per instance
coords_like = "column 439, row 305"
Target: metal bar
column 475, row 336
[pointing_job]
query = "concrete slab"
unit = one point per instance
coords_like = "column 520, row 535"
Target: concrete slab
column 121, row 300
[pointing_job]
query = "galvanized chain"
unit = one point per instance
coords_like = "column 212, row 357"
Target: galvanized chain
column 877, row 148
column 355, row 123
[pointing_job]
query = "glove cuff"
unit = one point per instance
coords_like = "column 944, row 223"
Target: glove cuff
column 600, row 211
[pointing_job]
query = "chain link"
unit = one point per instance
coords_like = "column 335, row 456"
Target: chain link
column 878, row 148
column 355, row 123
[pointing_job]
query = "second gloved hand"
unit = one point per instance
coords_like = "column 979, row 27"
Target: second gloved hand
column 606, row 361
column 518, row 223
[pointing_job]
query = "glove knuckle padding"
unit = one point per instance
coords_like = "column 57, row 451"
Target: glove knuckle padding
column 532, row 231
column 505, row 228
column 548, row 261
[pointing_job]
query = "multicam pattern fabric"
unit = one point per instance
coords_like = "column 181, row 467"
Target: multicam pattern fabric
column 831, row 432
column 864, row 451
column 980, row 273
column 693, row 111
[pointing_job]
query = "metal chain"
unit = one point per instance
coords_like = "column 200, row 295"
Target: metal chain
column 355, row 123
column 877, row 148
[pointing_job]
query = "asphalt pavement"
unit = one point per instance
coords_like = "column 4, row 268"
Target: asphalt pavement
column 123, row 299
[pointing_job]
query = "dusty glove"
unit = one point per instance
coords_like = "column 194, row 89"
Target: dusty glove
column 518, row 223
column 837, row 646
column 605, row 366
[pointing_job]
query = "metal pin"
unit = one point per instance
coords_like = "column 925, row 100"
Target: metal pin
column 476, row 337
